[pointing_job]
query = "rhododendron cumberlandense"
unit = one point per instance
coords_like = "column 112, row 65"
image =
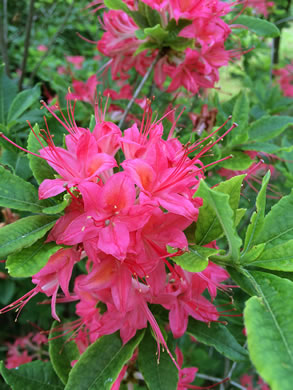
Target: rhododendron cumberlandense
column 122, row 218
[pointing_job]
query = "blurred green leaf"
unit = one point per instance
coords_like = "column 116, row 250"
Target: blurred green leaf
column 32, row 375
column 260, row 27
column 62, row 351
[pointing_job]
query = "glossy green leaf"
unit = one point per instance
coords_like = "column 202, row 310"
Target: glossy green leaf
column 267, row 147
column 239, row 162
column 240, row 115
column 277, row 226
column 62, row 352
column 40, row 168
column 117, row 5
column 260, row 27
column 157, row 33
column 22, row 102
column 8, row 91
column 219, row 337
column 196, row 260
column 23, row 233
column 57, row 208
column 270, row 330
column 257, row 217
column 101, row 363
column 31, row 376
column 217, row 215
column 29, row 261
column 268, row 127
column 17, row 193
column 158, row 375
column 277, row 258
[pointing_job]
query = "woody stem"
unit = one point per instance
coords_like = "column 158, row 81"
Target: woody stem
column 138, row 89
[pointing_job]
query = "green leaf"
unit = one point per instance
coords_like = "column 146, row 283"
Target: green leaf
column 239, row 214
column 241, row 281
column 267, row 147
column 240, row 116
column 100, row 365
column 260, row 27
column 217, row 214
column 277, row 258
column 158, row 375
column 219, row 337
column 268, row 127
column 22, row 102
column 62, row 352
column 30, row 260
column 196, row 260
column 24, row 233
column 7, row 291
column 278, row 224
column 17, row 193
column 239, row 162
column 57, row 208
column 8, row 91
column 270, row 331
column 145, row 46
column 117, row 5
column 178, row 44
column 257, row 217
column 157, row 33
column 40, row 168
column 31, row 376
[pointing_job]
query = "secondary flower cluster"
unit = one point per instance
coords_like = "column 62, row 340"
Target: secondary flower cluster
column 286, row 79
column 124, row 214
column 193, row 68
column 25, row 349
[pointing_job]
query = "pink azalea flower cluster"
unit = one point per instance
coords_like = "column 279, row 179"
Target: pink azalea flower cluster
column 286, row 79
column 124, row 214
column 194, row 68
column 25, row 349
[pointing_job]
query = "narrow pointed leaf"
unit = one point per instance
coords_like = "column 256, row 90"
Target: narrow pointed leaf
column 24, row 233
column 260, row 27
column 221, row 218
column 40, row 168
column 208, row 227
column 101, row 363
column 219, row 337
column 270, row 331
column 22, row 102
column 18, row 194
column 277, row 258
column 277, row 227
column 62, row 352
column 158, row 375
column 257, row 218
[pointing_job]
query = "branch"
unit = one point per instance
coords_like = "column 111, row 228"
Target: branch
column 28, row 28
column 138, row 89
column 52, row 42
column 214, row 379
